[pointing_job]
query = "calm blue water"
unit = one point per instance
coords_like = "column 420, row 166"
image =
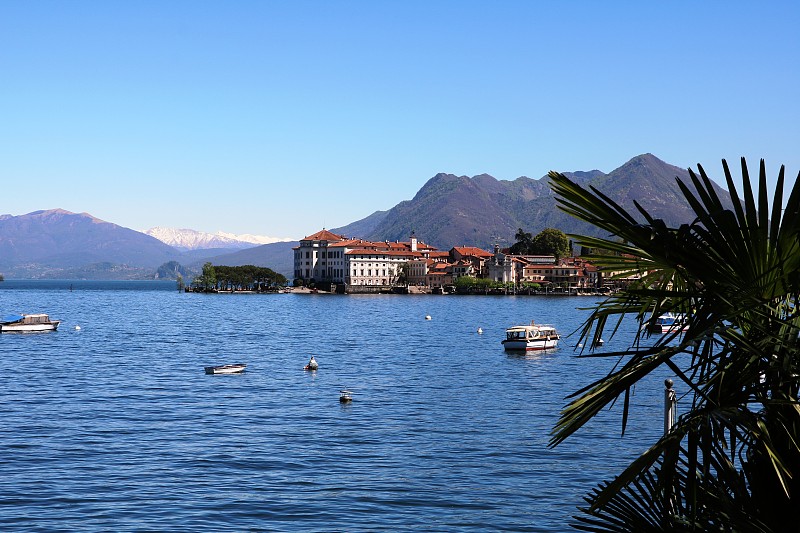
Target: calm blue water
column 115, row 427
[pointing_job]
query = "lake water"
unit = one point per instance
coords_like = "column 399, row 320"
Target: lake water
column 115, row 427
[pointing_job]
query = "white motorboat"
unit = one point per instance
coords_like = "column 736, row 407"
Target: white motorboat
column 226, row 369
column 27, row 323
column 531, row 337
column 668, row 323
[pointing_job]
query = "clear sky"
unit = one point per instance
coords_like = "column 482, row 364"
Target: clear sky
column 281, row 117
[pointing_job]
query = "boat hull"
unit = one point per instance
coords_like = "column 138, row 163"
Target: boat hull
column 29, row 328
column 531, row 337
column 531, row 345
column 667, row 328
column 668, row 323
column 225, row 369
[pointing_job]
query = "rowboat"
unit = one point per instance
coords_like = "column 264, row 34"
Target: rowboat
column 226, row 369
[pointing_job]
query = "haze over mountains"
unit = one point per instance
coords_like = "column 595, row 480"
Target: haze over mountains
column 447, row 211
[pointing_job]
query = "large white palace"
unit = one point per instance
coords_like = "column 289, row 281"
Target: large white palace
column 335, row 258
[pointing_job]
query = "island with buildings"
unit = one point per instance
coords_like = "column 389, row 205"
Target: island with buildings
column 335, row 263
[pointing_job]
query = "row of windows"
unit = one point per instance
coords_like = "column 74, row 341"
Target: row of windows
column 328, row 255
column 369, row 272
column 555, row 272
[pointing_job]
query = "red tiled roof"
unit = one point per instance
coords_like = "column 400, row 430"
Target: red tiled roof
column 473, row 251
column 391, row 253
column 351, row 243
column 324, row 235
column 397, row 245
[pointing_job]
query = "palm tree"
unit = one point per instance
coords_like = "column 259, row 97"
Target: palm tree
column 732, row 461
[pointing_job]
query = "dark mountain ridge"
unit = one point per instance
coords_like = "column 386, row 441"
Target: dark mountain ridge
column 481, row 211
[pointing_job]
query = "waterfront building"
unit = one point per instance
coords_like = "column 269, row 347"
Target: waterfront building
column 327, row 257
column 477, row 257
column 311, row 256
column 503, row 268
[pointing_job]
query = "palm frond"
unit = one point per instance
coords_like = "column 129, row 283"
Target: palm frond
column 736, row 274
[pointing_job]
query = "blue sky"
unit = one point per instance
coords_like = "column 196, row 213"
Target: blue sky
column 279, row 118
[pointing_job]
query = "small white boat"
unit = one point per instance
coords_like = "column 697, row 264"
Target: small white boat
column 345, row 396
column 28, row 323
column 668, row 323
column 531, row 337
column 226, row 369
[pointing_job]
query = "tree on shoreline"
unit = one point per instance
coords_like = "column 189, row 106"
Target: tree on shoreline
column 238, row 278
column 208, row 279
column 549, row 241
column 732, row 461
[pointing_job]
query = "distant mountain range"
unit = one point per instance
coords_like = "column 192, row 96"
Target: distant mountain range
column 482, row 211
column 59, row 243
column 447, row 211
column 189, row 239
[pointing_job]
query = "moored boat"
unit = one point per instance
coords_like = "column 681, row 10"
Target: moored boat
column 226, row 369
column 531, row 337
column 668, row 323
column 28, row 323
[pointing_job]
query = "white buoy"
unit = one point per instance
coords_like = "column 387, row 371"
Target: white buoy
column 77, row 328
column 427, row 317
column 480, row 331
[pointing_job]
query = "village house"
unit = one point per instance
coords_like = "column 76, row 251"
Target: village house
column 477, row 257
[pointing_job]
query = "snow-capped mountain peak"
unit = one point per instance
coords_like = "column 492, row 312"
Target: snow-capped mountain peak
column 189, row 239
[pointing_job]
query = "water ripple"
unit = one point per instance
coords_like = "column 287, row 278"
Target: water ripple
column 115, row 427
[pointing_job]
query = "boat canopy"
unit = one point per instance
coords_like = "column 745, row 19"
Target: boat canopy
column 11, row 318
